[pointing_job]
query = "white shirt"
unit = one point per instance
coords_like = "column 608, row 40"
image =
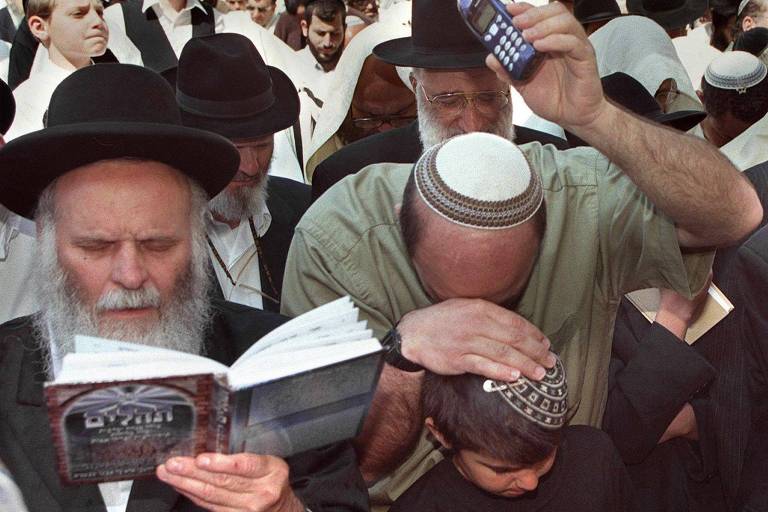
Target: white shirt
column 747, row 149
column 17, row 258
column 33, row 95
column 313, row 76
column 5, row 54
column 238, row 252
column 176, row 25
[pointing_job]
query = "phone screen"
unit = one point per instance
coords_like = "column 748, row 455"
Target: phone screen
column 483, row 17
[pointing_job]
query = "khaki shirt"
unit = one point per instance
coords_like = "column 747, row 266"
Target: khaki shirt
column 603, row 238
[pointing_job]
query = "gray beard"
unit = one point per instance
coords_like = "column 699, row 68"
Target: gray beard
column 181, row 326
column 242, row 202
column 431, row 132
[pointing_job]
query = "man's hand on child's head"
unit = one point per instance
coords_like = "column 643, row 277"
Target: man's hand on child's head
column 475, row 336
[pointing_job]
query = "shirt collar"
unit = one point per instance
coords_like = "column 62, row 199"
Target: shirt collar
column 191, row 4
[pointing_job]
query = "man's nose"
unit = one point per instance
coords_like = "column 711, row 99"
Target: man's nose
column 472, row 120
column 129, row 269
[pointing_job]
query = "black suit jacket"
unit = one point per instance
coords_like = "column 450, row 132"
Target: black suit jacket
column 401, row 145
column 325, row 479
column 722, row 408
column 752, row 269
column 7, row 27
column 287, row 201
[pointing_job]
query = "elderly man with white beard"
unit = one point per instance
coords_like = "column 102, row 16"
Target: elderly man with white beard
column 119, row 191
column 223, row 86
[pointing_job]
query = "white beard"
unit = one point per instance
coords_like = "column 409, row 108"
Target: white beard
column 243, row 202
column 431, row 132
column 181, row 325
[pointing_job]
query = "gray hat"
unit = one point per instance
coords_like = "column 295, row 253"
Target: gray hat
column 737, row 71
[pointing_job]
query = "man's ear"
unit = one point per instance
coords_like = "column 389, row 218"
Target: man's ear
column 413, row 81
column 429, row 422
column 39, row 28
column 700, row 95
column 748, row 23
column 304, row 28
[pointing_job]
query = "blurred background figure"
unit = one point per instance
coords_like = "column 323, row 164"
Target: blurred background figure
column 288, row 25
column 734, row 92
column 263, row 12
column 10, row 18
column 640, row 47
column 674, row 15
column 593, row 14
column 754, row 41
column 370, row 96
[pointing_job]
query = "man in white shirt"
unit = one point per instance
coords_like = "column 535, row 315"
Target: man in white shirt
column 323, row 26
column 263, row 12
column 224, row 86
column 71, row 34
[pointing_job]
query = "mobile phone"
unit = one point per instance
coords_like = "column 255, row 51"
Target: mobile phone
column 492, row 25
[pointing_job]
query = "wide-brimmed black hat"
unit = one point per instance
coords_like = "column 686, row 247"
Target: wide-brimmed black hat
column 7, row 107
column 439, row 40
column 592, row 11
column 108, row 111
column 630, row 94
column 670, row 14
column 223, row 85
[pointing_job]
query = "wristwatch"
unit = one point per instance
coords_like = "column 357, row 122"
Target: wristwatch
column 392, row 354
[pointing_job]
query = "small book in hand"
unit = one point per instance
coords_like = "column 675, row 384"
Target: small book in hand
column 119, row 409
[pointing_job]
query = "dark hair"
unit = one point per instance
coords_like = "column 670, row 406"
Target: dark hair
column 291, row 6
column 472, row 419
column 753, row 10
column 722, row 29
column 326, row 10
column 748, row 107
column 753, row 41
column 411, row 223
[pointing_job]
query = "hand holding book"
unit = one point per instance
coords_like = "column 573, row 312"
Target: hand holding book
column 234, row 482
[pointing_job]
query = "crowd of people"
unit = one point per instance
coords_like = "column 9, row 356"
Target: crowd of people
column 190, row 174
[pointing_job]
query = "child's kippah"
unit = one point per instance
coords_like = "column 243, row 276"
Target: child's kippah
column 544, row 402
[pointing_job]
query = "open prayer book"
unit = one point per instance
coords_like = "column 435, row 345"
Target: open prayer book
column 716, row 307
column 118, row 409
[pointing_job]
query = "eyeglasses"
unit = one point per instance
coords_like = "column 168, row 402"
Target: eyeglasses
column 371, row 123
column 486, row 102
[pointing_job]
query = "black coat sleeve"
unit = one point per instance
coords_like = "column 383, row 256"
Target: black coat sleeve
column 752, row 268
column 652, row 375
column 328, row 479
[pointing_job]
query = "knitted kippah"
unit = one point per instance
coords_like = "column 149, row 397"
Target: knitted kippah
column 479, row 180
column 544, row 402
column 736, row 71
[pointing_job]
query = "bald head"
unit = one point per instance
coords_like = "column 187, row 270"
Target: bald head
column 458, row 261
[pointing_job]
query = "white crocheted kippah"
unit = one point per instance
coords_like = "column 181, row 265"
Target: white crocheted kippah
column 479, row 180
column 736, row 71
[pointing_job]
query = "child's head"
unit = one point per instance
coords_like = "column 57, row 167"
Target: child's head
column 504, row 436
column 73, row 31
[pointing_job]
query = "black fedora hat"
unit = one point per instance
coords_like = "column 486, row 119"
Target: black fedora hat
column 223, row 85
column 110, row 111
column 670, row 14
column 7, row 107
column 592, row 11
column 439, row 40
column 630, row 94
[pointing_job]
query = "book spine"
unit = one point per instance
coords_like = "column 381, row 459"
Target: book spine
column 220, row 424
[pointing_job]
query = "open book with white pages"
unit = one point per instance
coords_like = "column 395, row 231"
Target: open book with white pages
column 119, row 409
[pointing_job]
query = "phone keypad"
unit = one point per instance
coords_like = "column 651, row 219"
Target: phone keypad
column 509, row 43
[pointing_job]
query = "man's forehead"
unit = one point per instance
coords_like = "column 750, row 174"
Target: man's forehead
column 481, row 77
column 110, row 177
